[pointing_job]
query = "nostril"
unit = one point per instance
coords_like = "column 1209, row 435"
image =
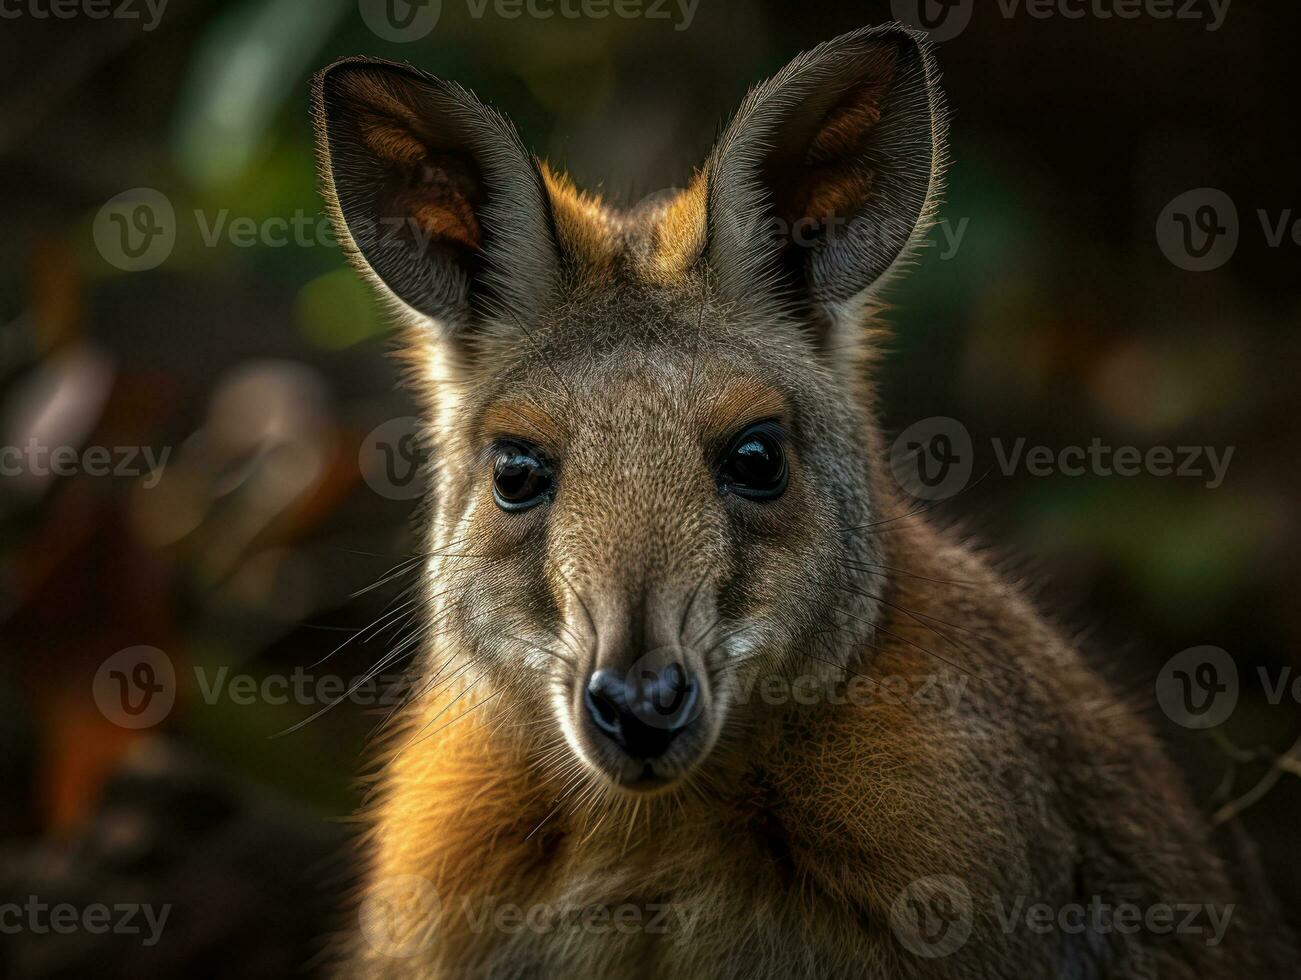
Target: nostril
column 605, row 701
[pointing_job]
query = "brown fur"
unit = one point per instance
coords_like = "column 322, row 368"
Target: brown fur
column 785, row 836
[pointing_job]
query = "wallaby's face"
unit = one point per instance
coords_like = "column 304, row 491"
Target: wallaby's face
column 653, row 454
column 655, row 509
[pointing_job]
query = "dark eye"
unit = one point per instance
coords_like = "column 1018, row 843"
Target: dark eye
column 520, row 479
column 755, row 463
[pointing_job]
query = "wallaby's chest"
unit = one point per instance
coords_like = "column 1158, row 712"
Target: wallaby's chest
column 730, row 898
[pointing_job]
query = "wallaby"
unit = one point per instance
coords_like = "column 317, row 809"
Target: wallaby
column 659, row 500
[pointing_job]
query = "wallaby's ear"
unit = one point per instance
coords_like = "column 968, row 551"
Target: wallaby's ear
column 829, row 171
column 432, row 193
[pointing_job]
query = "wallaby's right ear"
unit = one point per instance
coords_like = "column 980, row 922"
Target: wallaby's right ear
column 829, row 174
column 432, row 193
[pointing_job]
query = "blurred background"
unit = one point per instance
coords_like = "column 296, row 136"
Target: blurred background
column 232, row 510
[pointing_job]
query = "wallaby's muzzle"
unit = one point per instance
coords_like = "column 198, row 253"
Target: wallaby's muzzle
column 641, row 713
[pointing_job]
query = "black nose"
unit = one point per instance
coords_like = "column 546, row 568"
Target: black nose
column 644, row 712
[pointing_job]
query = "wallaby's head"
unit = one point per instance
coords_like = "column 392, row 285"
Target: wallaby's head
column 653, row 453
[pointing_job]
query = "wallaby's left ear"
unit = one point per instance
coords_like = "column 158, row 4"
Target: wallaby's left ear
column 829, row 172
column 433, row 195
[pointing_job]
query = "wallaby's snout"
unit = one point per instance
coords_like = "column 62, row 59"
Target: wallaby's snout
column 643, row 712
